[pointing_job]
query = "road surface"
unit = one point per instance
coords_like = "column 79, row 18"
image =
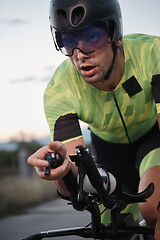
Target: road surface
column 52, row 215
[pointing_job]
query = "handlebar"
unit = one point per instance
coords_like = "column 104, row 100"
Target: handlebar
column 86, row 162
column 82, row 200
column 87, row 167
column 84, row 232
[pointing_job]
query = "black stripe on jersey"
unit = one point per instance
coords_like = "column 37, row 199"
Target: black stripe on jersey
column 132, row 86
column 156, row 87
column 67, row 127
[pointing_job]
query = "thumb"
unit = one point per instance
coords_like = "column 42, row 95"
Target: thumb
column 58, row 147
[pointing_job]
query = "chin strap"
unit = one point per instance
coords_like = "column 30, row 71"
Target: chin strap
column 115, row 50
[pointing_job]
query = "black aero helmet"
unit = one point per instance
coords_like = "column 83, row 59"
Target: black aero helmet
column 70, row 15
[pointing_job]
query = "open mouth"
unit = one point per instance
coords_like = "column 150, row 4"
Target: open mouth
column 88, row 71
column 87, row 68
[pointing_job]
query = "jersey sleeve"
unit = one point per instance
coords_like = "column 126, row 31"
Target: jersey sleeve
column 67, row 128
column 60, row 114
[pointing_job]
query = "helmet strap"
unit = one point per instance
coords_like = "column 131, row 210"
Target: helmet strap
column 115, row 50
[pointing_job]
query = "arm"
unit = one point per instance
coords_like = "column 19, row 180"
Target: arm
column 71, row 149
column 38, row 161
column 61, row 113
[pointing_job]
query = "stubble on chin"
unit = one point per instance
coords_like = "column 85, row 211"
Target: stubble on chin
column 94, row 79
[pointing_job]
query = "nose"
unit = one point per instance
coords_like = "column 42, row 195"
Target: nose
column 80, row 55
column 79, row 51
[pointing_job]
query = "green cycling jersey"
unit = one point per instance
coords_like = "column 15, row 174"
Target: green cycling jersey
column 119, row 116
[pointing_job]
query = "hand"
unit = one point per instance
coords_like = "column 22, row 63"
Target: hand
column 38, row 161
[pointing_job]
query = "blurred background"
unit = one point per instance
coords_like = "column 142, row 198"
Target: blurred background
column 27, row 62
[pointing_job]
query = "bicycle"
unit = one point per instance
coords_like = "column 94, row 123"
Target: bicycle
column 122, row 226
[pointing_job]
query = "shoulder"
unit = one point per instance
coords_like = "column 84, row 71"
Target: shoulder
column 138, row 39
column 142, row 47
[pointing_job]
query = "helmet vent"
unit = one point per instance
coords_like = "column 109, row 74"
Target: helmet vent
column 62, row 16
column 77, row 15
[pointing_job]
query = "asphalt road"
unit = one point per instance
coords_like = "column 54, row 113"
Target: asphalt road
column 52, row 215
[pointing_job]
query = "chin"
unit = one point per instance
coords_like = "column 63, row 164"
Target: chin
column 91, row 79
column 94, row 81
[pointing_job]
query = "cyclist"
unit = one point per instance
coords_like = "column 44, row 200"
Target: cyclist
column 111, row 82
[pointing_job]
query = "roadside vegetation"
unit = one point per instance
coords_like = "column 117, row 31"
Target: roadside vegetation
column 17, row 194
column 20, row 187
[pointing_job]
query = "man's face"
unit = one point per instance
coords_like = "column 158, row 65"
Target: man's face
column 88, row 50
column 94, row 66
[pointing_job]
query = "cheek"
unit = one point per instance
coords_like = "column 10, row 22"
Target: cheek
column 105, row 58
column 104, row 62
column 102, row 69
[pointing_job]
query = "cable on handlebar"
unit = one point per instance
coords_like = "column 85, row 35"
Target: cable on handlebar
column 86, row 160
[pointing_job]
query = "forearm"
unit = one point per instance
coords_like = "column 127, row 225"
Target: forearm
column 60, row 185
column 71, row 149
column 61, row 188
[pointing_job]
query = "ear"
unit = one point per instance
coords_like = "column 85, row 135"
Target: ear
column 119, row 42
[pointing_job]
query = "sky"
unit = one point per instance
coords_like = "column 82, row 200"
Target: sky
column 28, row 59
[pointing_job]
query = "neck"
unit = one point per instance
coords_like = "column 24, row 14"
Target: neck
column 116, row 75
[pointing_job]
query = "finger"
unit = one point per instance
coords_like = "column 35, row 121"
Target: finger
column 39, row 169
column 58, row 147
column 41, row 152
column 37, row 159
column 37, row 162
